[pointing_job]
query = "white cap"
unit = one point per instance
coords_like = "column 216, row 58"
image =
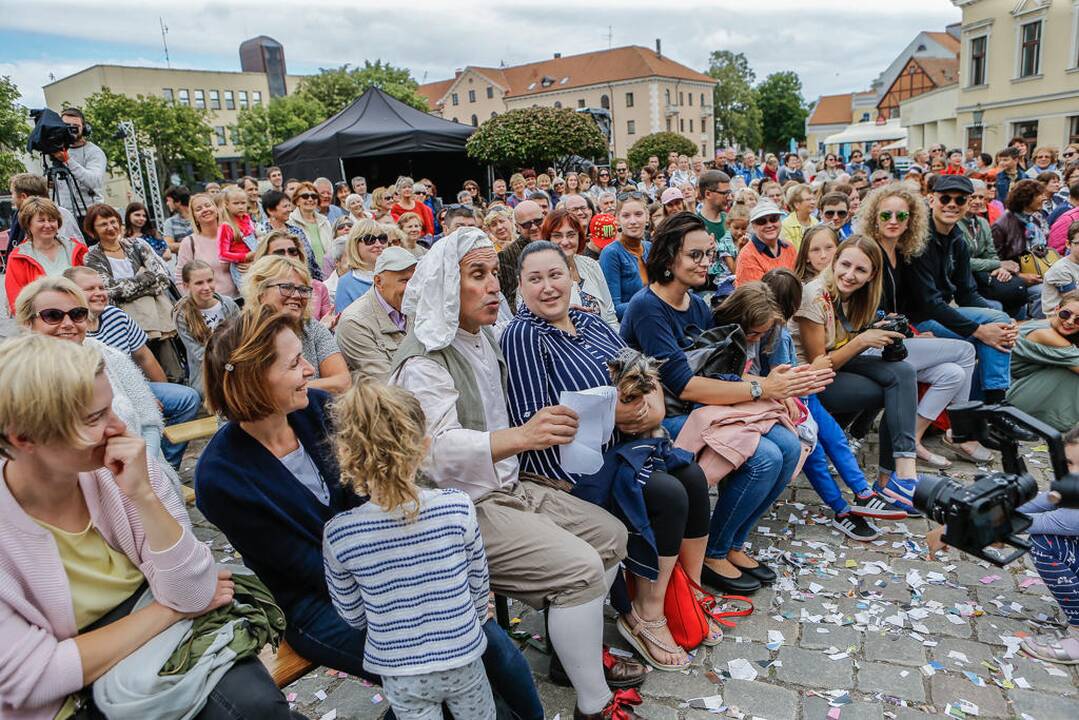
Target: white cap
column 394, row 259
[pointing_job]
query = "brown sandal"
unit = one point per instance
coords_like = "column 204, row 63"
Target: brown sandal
column 643, row 629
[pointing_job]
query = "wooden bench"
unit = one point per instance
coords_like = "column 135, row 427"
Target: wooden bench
column 286, row 666
column 191, row 430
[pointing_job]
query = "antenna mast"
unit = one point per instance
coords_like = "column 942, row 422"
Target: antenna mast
column 610, row 36
column 164, row 40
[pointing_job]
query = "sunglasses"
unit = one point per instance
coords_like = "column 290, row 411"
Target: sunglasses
column 529, row 224
column 623, row 196
column 698, row 255
column 291, row 252
column 766, row 220
column 372, row 239
column 946, row 199
column 604, row 175
column 1065, row 314
column 901, row 215
column 53, row 316
column 308, row 196
column 1068, row 155
column 835, row 214
column 290, row 289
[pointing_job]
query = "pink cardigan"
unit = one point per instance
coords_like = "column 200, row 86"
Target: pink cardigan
column 722, row 437
column 39, row 661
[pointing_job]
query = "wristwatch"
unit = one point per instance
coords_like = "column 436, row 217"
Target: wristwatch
column 755, row 389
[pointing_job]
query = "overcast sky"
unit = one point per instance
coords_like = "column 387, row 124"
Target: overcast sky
column 834, row 45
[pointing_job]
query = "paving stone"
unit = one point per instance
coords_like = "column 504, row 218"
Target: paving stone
column 896, row 649
column 939, row 625
column 830, row 583
column 906, row 713
column 727, row 650
column 945, row 688
column 989, row 628
column 1031, row 606
column 558, row 700
column 971, row 574
column 756, row 627
column 821, row 636
column 678, row 685
column 1044, row 707
column 945, row 595
column 761, row 699
column 814, row 708
column 886, row 678
column 663, row 712
column 1035, row 673
column 814, row 669
column 976, row 652
column 353, row 702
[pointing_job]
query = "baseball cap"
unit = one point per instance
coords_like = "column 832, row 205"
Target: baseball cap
column 394, row 259
column 953, row 183
column 602, row 230
column 764, row 208
column 671, row 194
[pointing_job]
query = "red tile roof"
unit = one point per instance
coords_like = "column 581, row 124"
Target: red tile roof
column 947, row 40
column 941, row 71
column 832, row 110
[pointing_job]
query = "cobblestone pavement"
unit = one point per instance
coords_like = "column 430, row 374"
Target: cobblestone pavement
column 852, row 631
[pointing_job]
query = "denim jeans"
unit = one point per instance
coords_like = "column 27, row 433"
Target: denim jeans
column 324, row 638
column 751, row 489
column 994, row 366
column 179, row 403
column 832, row 442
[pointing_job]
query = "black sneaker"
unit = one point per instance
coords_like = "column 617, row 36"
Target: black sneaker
column 874, row 506
column 855, row 527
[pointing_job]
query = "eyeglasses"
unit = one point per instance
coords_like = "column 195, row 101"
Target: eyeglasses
column 290, row 289
column 718, row 191
column 766, row 220
column 633, row 195
column 372, row 239
column 529, row 224
column 291, row 252
column 698, row 255
column 835, row 214
column 1065, row 314
column 901, row 215
column 54, row 316
column 946, row 199
column 308, row 196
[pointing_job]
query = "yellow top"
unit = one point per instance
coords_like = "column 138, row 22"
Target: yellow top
column 791, row 230
column 100, row 577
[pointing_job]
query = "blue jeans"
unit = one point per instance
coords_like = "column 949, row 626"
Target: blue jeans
column 751, row 489
column 832, row 442
column 179, row 403
column 994, row 367
column 321, row 636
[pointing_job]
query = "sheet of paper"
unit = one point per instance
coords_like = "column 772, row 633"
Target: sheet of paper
column 741, row 669
column 595, row 413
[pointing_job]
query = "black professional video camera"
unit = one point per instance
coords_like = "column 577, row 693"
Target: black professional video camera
column 897, row 349
column 50, row 134
column 985, row 512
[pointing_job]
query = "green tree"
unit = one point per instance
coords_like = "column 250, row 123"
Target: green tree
column 178, row 133
column 336, row 88
column 260, row 127
column 659, row 144
column 738, row 119
column 783, row 110
column 536, row 135
column 14, row 127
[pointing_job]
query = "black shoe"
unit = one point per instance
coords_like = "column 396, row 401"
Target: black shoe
column 741, row 585
column 618, row 672
column 764, row 574
column 874, row 506
column 855, row 527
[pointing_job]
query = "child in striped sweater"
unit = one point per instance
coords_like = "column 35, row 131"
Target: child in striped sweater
column 409, row 564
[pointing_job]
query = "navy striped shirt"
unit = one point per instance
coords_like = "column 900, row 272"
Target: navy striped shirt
column 118, row 330
column 542, row 361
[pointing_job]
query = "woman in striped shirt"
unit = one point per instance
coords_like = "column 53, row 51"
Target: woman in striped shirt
column 550, row 347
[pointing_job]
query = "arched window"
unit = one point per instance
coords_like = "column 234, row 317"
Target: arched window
column 456, row 120
column 475, row 120
column 605, row 102
column 557, row 104
column 494, row 114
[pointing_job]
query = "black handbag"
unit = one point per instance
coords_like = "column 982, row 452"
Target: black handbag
column 715, row 353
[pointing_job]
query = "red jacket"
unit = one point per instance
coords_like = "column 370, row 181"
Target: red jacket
column 23, row 269
column 420, row 209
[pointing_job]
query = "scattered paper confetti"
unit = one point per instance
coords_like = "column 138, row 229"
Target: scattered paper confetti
column 331, row 715
column 321, row 695
column 376, row 699
column 741, row 669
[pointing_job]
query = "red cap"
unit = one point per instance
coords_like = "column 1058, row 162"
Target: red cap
column 603, row 230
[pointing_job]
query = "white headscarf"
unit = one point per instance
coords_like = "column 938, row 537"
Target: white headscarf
column 433, row 295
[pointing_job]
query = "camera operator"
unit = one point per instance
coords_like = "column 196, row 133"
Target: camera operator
column 86, row 163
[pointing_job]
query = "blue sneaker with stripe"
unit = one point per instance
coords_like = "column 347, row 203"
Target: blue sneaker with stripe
column 899, row 493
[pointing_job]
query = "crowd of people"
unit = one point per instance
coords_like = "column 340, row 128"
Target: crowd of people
column 390, row 371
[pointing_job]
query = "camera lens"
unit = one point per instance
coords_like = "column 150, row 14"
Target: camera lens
column 932, row 494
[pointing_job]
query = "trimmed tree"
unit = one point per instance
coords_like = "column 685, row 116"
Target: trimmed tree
column 259, row 128
column 534, row 135
column 659, row 144
column 336, row 88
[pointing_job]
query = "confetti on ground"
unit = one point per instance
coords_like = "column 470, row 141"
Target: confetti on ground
column 741, row 669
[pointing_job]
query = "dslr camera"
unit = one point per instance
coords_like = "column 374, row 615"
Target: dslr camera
column 50, row 134
column 897, row 349
column 986, row 512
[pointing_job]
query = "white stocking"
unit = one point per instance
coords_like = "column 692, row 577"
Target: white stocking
column 577, row 636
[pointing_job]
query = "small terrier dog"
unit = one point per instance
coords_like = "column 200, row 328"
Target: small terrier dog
column 635, row 375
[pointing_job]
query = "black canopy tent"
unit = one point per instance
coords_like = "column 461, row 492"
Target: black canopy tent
column 380, row 137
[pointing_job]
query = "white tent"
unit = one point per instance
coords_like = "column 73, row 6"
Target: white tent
column 866, row 132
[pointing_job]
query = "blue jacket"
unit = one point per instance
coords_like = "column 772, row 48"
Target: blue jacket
column 620, row 270
column 272, row 520
column 349, row 289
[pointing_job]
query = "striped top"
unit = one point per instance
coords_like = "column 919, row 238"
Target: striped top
column 542, row 361
column 117, row 329
column 420, row 588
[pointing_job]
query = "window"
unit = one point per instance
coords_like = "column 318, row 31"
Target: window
column 219, row 131
column 631, row 127
column 475, row 120
column 604, row 102
column 1028, row 130
column 494, row 114
column 978, row 47
column 668, row 124
column 691, row 99
column 243, row 99
column 865, row 117
column 234, row 133
column 215, row 99
column 702, row 99
column 557, row 104
column 472, row 96
column 1030, row 43
column 681, row 98
column 629, row 99
column 490, row 91
column 667, row 95
column 580, row 103
column 1073, row 130
column 200, row 99
column 256, row 97
column 167, row 94
column 691, row 122
column 185, row 97
column 454, row 99
column 230, row 103
column 681, row 125
column 974, row 139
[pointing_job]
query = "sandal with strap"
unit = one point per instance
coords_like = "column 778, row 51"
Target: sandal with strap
column 715, row 629
column 979, row 456
column 643, row 629
column 1063, row 651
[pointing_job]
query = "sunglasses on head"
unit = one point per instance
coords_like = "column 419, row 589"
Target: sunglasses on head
column 291, row 252
column 835, row 214
column 947, row 199
column 901, row 215
column 308, row 196
column 372, row 239
column 766, row 220
column 54, row 316
column 529, row 224
column 634, row 195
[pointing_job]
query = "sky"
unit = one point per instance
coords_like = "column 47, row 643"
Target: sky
column 834, row 45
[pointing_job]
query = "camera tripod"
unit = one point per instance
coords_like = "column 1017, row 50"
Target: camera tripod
column 57, row 172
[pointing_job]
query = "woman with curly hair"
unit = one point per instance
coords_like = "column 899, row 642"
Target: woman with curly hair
column 896, row 219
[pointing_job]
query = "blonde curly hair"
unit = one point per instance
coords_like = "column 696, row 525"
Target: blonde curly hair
column 379, row 443
column 867, row 220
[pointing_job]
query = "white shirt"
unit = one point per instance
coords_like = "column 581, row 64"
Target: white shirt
column 121, row 268
column 303, row 468
column 213, row 315
column 463, row 456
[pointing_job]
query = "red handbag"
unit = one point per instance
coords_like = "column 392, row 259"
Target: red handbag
column 685, row 616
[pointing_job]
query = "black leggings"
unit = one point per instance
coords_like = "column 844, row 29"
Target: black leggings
column 677, row 506
column 1012, row 294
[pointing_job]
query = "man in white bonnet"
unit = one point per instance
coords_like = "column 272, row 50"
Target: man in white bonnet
column 544, row 546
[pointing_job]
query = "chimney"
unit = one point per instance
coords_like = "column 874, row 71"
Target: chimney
column 557, row 56
column 659, row 47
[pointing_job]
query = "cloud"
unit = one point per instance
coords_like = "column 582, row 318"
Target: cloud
column 833, row 45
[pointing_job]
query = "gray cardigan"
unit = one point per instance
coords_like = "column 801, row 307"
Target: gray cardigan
column 195, row 349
